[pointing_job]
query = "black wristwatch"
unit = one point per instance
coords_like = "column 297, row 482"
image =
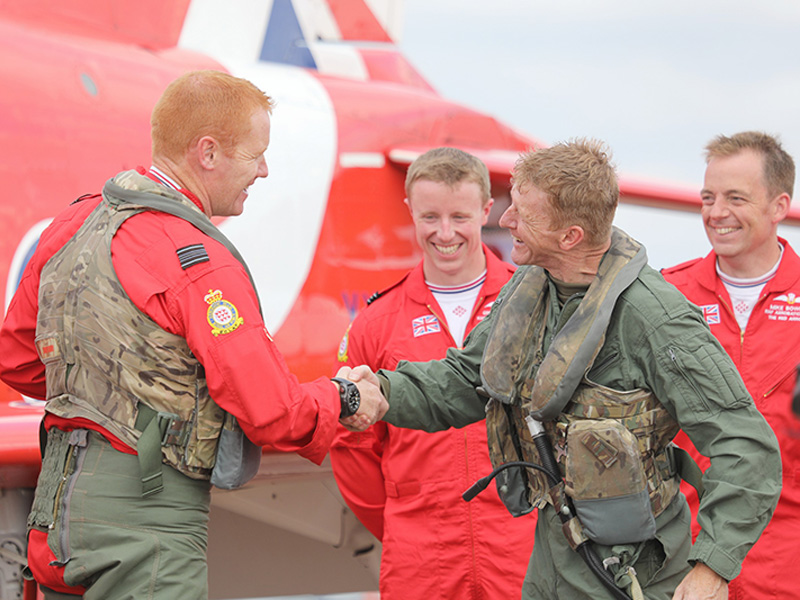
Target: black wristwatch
column 348, row 394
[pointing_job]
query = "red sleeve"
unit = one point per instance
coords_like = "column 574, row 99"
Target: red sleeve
column 356, row 457
column 20, row 366
column 356, row 461
column 246, row 374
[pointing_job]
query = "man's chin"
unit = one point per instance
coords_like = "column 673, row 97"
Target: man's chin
column 518, row 258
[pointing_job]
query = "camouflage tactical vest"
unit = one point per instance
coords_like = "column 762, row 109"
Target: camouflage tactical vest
column 104, row 358
column 522, row 380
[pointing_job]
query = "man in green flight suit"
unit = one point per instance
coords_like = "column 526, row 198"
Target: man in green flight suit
column 589, row 349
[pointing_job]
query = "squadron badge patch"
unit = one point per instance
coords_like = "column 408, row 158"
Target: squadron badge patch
column 222, row 315
column 342, row 354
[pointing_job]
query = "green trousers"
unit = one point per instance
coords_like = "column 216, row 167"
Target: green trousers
column 556, row 571
column 109, row 538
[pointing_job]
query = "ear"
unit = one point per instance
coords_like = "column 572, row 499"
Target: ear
column 408, row 204
column 780, row 207
column 208, row 151
column 571, row 237
column 486, row 210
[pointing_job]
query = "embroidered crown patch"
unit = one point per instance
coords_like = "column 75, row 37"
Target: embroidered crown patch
column 222, row 315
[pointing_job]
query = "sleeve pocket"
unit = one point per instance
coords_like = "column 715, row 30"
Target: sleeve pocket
column 709, row 383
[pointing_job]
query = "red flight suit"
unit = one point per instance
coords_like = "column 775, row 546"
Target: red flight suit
column 766, row 355
column 245, row 372
column 405, row 485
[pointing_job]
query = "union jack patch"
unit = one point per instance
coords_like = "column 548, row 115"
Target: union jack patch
column 425, row 325
column 711, row 313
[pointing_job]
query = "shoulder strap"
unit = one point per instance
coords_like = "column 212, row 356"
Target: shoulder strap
column 117, row 196
column 685, row 466
column 519, row 310
column 576, row 345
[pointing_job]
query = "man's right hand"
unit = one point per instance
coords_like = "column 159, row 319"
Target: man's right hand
column 373, row 404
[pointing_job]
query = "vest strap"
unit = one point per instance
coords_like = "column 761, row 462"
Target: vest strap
column 576, row 345
column 116, row 195
column 683, row 465
column 158, row 429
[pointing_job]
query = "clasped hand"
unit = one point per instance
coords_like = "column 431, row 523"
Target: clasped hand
column 373, row 404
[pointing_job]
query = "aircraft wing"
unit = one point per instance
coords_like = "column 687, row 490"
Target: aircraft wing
column 501, row 163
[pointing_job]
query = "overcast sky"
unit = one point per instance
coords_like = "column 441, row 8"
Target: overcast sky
column 654, row 79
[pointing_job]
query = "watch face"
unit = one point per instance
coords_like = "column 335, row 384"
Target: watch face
column 350, row 397
column 353, row 400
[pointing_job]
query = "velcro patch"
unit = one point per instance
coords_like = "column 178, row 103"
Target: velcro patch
column 48, row 348
column 192, row 255
column 603, row 451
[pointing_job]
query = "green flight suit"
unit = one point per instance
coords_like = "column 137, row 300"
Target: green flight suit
column 657, row 341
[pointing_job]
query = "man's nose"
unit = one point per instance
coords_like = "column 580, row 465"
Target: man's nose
column 717, row 209
column 505, row 219
column 446, row 230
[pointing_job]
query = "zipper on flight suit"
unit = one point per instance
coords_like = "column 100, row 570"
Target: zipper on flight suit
column 475, row 307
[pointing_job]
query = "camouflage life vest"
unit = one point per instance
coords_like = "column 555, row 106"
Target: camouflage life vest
column 552, row 387
column 107, row 361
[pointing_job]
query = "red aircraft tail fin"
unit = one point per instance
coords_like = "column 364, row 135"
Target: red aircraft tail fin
column 354, row 39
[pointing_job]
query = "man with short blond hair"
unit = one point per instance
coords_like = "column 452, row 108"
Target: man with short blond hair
column 405, row 485
column 450, row 166
column 747, row 288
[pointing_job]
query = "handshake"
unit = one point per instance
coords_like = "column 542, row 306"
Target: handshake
column 373, row 405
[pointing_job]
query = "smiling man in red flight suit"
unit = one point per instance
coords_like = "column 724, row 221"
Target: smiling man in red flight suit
column 748, row 288
column 405, row 485
column 138, row 322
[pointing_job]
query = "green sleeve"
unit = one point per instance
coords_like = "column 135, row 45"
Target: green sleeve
column 695, row 379
column 438, row 394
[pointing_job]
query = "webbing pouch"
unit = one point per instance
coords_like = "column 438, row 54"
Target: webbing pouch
column 512, row 483
column 50, row 479
column 238, row 459
column 61, row 465
column 606, row 480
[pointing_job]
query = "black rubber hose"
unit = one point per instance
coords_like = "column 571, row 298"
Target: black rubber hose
column 585, row 550
column 480, row 485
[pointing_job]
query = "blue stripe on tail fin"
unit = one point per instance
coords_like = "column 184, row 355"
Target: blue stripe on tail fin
column 284, row 41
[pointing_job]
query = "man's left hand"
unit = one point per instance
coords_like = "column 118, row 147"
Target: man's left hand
column 702, row 584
